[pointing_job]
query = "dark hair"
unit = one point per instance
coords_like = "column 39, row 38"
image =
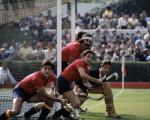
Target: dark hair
column 106, row 62
column 79, row 35
column 47, row 63
column 85, row 52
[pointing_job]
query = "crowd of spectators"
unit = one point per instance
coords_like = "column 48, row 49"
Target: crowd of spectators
column 112, row 36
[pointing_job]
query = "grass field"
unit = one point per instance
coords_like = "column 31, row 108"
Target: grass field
column 132, row 104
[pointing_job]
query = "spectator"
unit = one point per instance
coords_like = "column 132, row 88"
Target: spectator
column 116, row 56
column 141, row 40
column 122, row 22
column 138, row 55
column 108, row 12
column 133, row 21
column 37, row 53
column 50, row 53
column 25, row 52
column 5, row 75
column 97, row 37
column 129, row 56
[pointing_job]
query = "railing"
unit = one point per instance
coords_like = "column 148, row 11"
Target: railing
column 10, row 12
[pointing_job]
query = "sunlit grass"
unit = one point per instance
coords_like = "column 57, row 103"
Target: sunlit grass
column 132, row 104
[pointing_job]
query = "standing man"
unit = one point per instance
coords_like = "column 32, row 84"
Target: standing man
column 32, row 89
column 5, row 75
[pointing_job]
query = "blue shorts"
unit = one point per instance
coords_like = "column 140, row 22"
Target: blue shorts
column 19, row 92
column 63, row 85
column 64, row 65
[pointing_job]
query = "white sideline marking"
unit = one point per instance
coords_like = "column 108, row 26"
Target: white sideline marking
column 101, row 103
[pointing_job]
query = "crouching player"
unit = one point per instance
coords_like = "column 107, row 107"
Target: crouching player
column 32, row 89
column 104, row 88
column 45, row 108
column 77, row 70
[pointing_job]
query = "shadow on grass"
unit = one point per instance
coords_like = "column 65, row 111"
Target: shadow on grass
column 101, row 116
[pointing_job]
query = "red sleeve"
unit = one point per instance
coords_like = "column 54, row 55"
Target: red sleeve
column 65, row 53
column 80, row 64
column 37, row 81
column 51, row 80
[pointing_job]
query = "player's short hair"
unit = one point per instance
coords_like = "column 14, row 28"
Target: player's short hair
column 85, row 52
column 79, row 35
column 47, row 63
column 106, row 62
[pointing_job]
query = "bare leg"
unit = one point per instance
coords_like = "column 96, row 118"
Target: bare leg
column 45, row 106
column 17, row 104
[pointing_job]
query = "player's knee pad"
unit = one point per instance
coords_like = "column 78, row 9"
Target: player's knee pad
column 108, row 96
column 107, row 91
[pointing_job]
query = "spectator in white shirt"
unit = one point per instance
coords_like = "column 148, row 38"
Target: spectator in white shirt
column 50, row 53
column 133, row 21
column 122, row 22
column 5, row 75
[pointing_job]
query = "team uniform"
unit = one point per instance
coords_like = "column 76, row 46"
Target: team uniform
column 70, row 53
column 71, row 74
column 33, row 89
column 66, row 82
column 93, row 73
column 27, row 87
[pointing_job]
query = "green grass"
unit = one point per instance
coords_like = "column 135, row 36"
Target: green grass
column 132, row 104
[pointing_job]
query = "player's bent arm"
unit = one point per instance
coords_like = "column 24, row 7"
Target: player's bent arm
column 56, row 87
column 43, row 92
column 85, row 76
column 87, row 84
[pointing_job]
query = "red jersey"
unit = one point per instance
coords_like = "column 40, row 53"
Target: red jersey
column 71, row 52
column 71, row 72
column 35, row 80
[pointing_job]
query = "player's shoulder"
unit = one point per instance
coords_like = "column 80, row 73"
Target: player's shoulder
column 53, row 76
column 36, row 74
column 79, row 61
column 73, row 43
